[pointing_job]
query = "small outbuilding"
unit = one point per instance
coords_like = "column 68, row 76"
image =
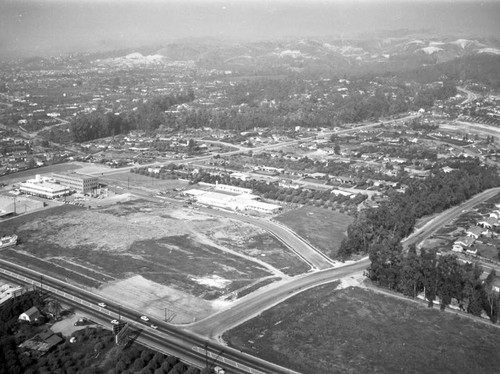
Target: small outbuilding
column 31, row 315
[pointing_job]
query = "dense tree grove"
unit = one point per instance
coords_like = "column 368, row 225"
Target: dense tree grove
column 394, row 219
column 378, row 232
column 149, row 115
column 266, row 103
column 442, row 277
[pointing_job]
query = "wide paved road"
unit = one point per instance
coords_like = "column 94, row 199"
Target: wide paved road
column 443, row 218
column 259, row 301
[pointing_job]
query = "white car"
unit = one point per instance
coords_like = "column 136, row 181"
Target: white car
column 115, row 322
column 219, row 370
column 102, row 305
column 144, row 318
column 154, row 327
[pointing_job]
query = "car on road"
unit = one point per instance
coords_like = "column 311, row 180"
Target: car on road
column 219, row 370
column 81, row 321
column 115, row 322
column 102, row 305
column 144, row 318
column 154, row 327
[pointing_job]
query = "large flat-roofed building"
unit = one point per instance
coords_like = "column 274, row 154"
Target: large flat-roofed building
column 77, row 182
column 43, row 188
column 241, row 202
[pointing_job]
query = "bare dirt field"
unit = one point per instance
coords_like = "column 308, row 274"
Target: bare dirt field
column 151, row 256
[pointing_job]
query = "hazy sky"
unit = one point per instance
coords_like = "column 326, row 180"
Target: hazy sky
column 51, row 27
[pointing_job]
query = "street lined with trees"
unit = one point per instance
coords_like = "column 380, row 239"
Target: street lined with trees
column 378, row 233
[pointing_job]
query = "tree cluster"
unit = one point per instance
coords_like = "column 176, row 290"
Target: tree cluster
column 394, row 219
column 143, row 361
column 442, row 277
column 378, row 232
column 148, row 116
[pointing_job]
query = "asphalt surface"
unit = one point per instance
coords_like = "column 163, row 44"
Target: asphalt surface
column 272, row 295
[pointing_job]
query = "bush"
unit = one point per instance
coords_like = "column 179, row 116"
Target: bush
column 138, row 364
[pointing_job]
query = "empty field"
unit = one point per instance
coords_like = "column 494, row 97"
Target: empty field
column 323, row 228
column 174, row 251
column 138, row 180
column 355, row 330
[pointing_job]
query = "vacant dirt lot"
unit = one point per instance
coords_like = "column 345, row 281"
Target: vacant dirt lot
column 152, row 256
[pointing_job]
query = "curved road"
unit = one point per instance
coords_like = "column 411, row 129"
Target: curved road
column 315, row 258
column 443, row 218
column 471, row 96
column 259, row 301
column 272, row 295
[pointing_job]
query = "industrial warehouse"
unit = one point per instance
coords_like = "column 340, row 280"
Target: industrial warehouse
column 234, row 198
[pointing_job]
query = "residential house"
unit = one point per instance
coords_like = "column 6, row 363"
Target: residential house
column 463, row 242
column 495, row 213
column 475, row 231
column 489, row 222
column 41, row 343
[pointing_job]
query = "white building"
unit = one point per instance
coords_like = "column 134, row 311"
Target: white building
column 78, row 182
column 8, row 291
column 242, row 176
column 43, row 188
column 245, row 201
column 31, row 315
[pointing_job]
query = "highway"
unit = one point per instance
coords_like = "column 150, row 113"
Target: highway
column 168, row 339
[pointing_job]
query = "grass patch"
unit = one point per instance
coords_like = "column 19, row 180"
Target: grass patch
column 138, row 180
column 359, row 331
column 323, row 228
column 488, row 251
